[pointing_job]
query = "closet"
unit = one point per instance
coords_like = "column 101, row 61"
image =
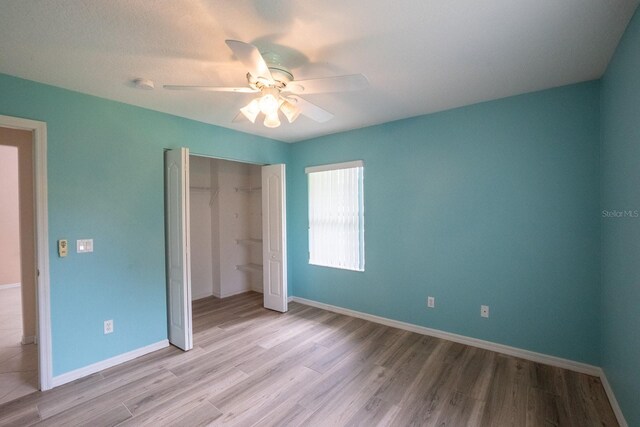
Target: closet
column 225, row 227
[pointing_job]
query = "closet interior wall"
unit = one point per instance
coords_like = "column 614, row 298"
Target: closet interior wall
column 226, row 227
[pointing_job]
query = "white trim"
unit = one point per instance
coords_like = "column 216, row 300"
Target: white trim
column 9, row 286
column 474, row 342
column 31, row 339
column 107, row 363
column 612, row 399
column 43, row 297
column 334, row 166
column 232, row 293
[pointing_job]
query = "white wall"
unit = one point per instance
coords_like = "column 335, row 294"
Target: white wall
column 201, row 243
column 215, row 227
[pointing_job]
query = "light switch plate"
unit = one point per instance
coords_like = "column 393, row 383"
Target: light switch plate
column 84, row 245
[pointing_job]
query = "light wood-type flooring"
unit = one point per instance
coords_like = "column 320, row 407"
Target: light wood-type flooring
column 311, row 367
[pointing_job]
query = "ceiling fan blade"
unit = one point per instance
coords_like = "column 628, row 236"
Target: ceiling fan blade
column 251, row 57
column 329, row 84
column 310, row 110
column 212, row 88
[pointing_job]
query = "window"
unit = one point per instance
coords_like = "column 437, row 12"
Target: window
column 336, row 215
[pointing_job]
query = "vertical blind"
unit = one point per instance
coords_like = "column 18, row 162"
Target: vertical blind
column 336, row 215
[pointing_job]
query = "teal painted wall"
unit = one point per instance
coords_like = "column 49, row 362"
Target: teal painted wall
column 495, row 203
column 105, row 177
column 621, row 236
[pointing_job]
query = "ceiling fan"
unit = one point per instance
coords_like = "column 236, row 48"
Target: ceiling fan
column 277, row 88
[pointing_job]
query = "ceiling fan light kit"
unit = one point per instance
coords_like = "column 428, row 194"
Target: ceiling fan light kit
column 251, row 110
column 277, row 88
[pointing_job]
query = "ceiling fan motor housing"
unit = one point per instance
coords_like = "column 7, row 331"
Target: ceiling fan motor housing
column 280, row 74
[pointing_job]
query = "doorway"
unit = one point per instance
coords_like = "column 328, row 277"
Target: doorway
column 226, row 235
column 18, row 350
column 25, row 336
column 226, row 227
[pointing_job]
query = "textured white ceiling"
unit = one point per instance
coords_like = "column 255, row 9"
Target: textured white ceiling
column 420, row 56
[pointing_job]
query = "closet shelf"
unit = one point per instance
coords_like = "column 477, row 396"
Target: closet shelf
column 248, row 189
column 250, row 267
column 249, row 241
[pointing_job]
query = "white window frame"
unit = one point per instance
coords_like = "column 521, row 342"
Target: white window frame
column 352, row 264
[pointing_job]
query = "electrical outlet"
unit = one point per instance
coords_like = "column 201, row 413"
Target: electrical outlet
column 108, row 326
column 484, row 310
column 431, row 302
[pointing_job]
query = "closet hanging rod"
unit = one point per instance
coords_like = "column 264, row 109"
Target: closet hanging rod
column 201, row 188
column 248, row 189
column 248, row 241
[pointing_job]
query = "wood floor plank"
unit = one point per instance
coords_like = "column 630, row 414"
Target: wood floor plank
column 202, row 415
column 506, row 402
column 343, row 405
column 251, row 408
column 343, row 331
column 264, row 378
column 350, row 343
column 426, row 397
column 196, row 409
column 580, row 404
column 475, row 378
column 406, row 371
column 375, row 412
column 310, row 367
column 313, row 329
column 542, row 408
column 460, row 410
column 82, row 410
column 291, row 415
column 183, row 389
column 26, row 415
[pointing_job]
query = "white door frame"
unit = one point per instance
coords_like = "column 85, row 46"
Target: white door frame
column 43, row 298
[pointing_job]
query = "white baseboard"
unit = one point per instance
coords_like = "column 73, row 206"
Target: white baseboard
column 108, row 363
column 474, row 342
column 230, row 294
column 612, row 399
column 196, row 297
column 9, row 286
column 31, row 339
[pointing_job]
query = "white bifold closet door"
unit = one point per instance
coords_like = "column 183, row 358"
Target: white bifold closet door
column 178, row 245
column 178, row 259
column 274, row 238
